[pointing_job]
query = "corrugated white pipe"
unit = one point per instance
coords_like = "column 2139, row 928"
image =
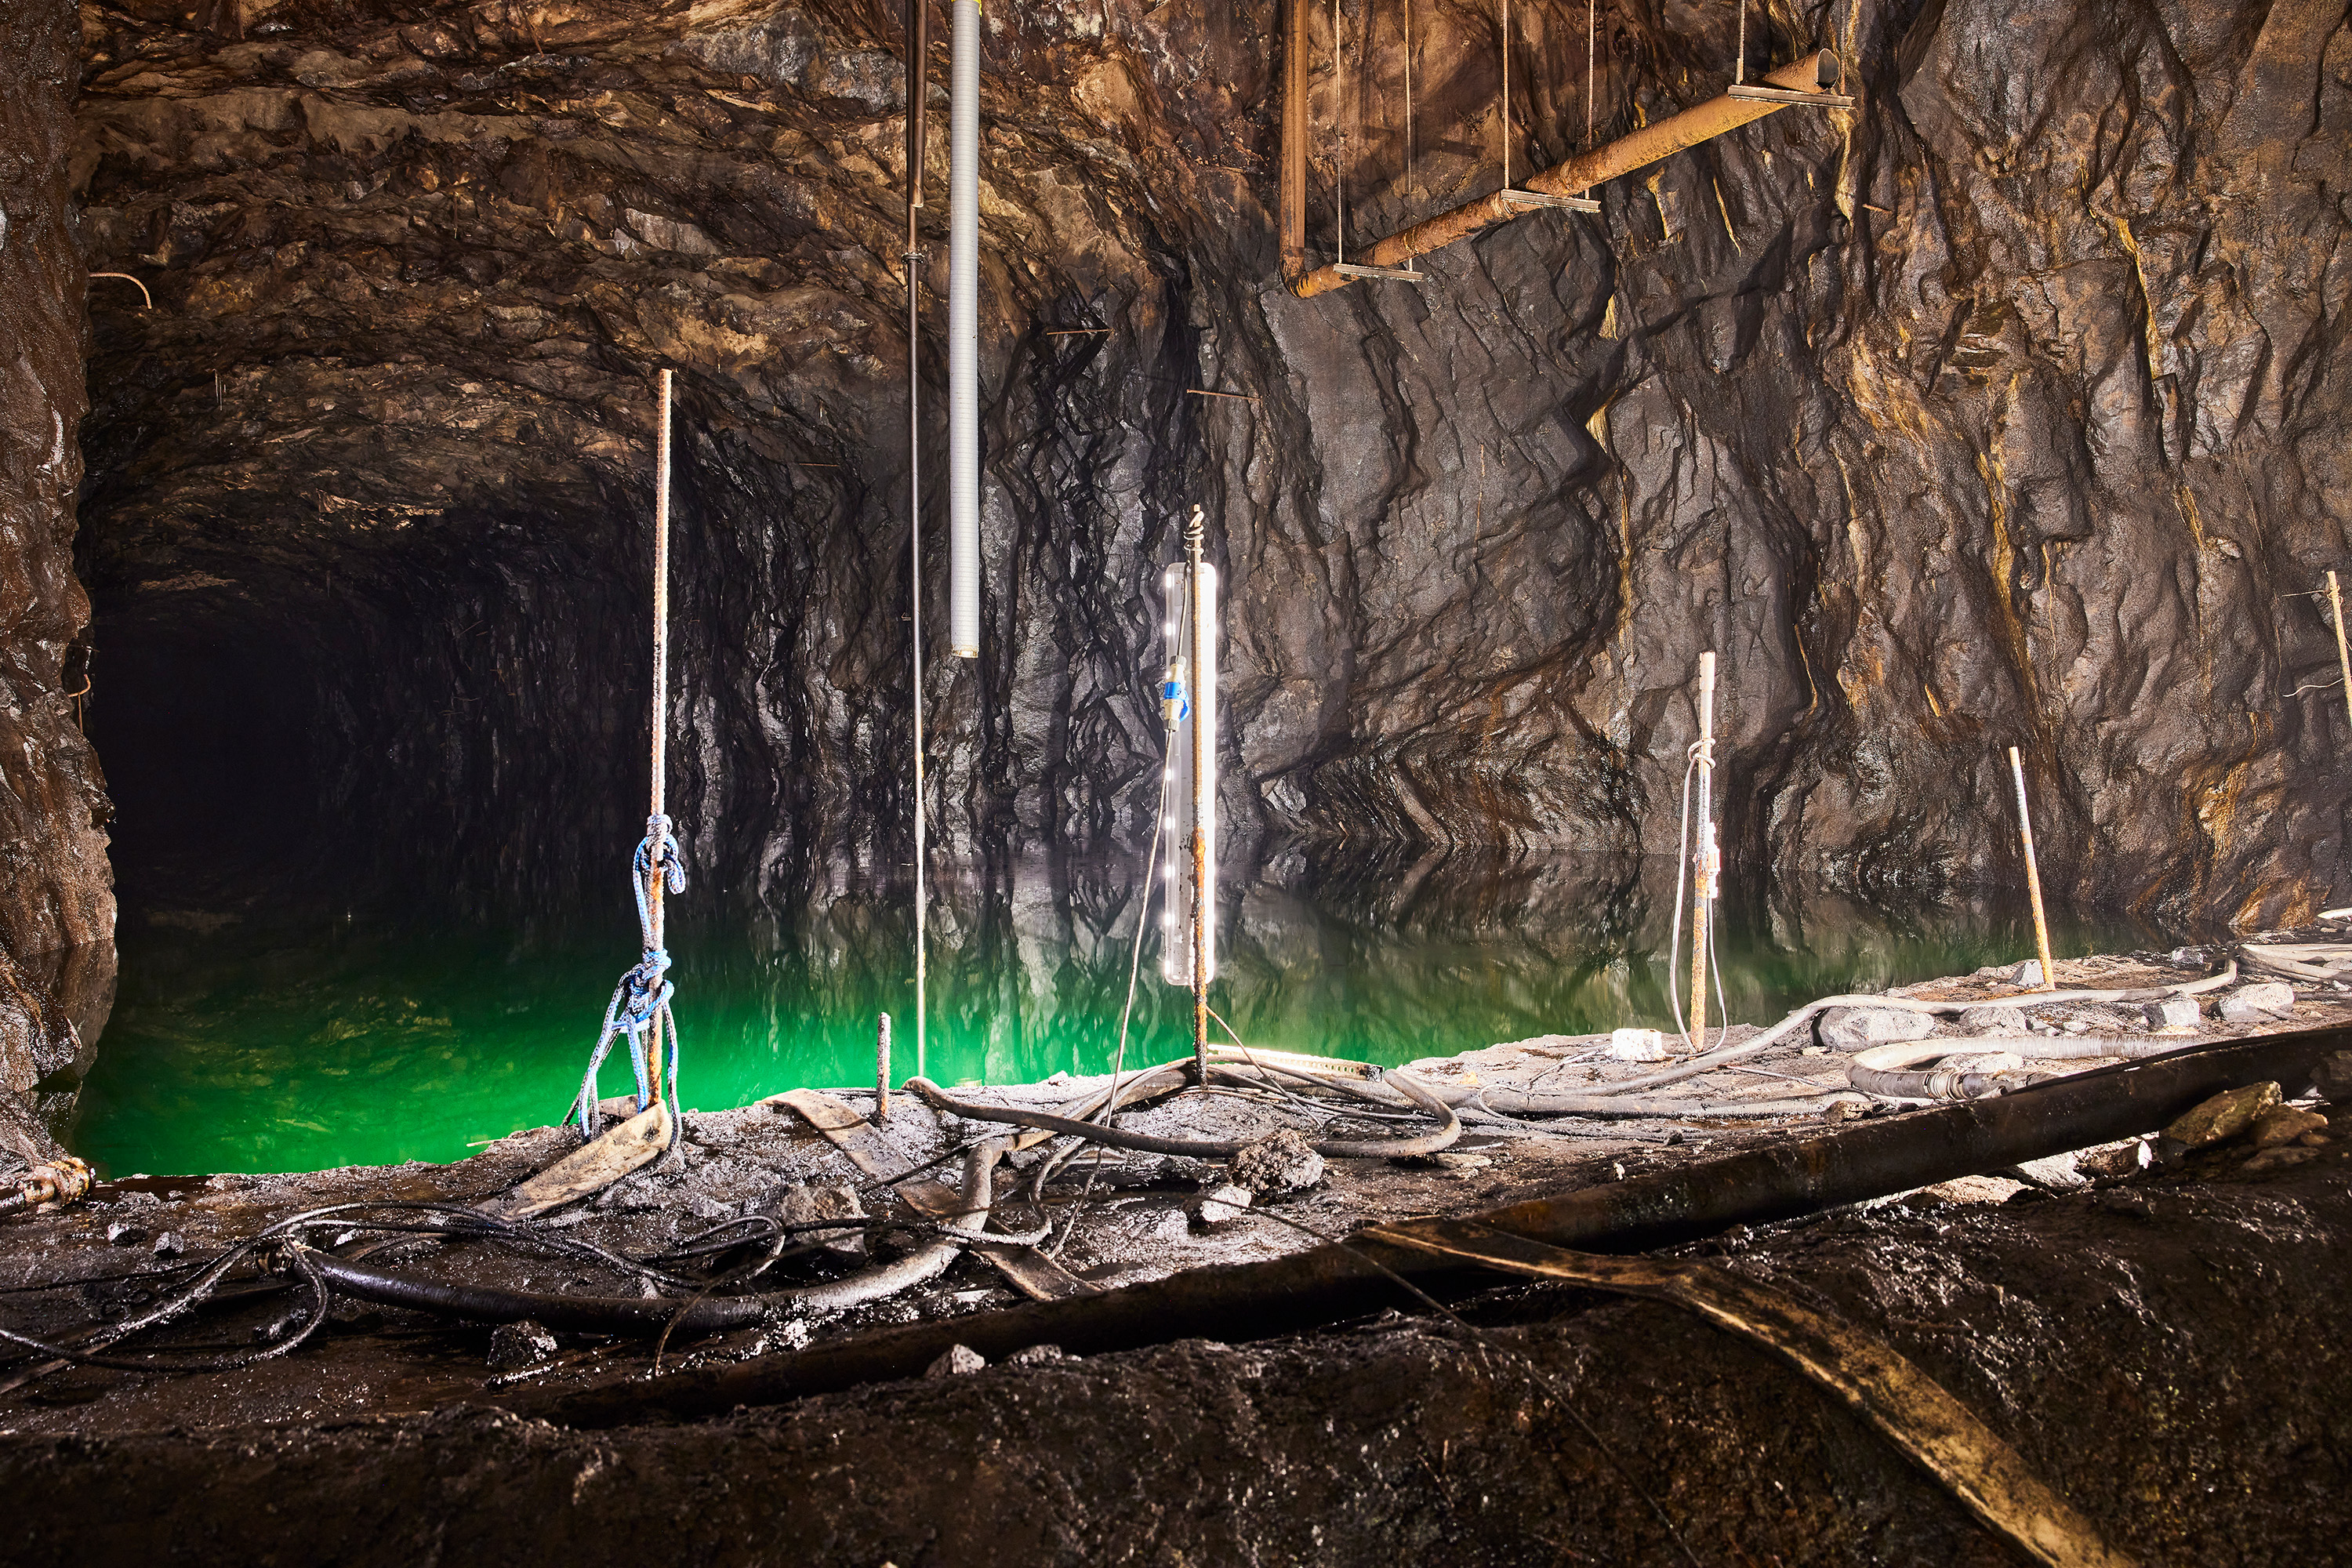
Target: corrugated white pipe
column 963, row 336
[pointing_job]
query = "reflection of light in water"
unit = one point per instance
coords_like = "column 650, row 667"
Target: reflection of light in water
column 311, row 1042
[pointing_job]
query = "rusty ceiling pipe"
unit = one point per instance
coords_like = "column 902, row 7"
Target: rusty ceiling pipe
column 1293, row 199
column 1814, row 75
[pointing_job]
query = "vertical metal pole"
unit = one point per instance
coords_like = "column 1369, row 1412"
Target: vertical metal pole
column 660, row 751
column 919, row 78
column 1201, row 741
column 2343, row 659
column 1703, row 881
column 1293, row 198
column 882, row 1070
column 2032, row 873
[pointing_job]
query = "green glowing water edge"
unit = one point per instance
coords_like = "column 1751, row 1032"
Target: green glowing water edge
column 343, row 1042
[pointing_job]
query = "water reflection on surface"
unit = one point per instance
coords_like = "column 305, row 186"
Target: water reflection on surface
column 249, row 1038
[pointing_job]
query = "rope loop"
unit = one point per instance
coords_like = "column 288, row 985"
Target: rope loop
column 639, row 1011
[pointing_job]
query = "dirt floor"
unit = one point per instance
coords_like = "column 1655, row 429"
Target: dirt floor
column 2162, row 1344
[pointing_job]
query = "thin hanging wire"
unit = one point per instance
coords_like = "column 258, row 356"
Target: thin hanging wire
column 1507, row 94
column 1340, row 118
column 1411, row 169
column 1591, row 56
column 1740, row 70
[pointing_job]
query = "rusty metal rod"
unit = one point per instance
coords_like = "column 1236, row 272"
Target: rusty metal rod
column 1293, row 193
column 2033, row 874
column 1815, row 73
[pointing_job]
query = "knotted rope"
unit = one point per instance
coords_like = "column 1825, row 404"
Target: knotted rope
column 640, row 1006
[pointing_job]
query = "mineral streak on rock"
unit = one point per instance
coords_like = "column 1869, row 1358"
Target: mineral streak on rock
column 2008, row 407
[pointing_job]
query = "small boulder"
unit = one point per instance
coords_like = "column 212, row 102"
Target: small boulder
column 2057, row 1174
column 1976, row 1190
column 1284, row 1163
column 2258, row 1003
column 2286, row 1124
column 2127, row 1158
column 1461, row 1161
column 2224, row 1115
column 956, row 1361
column 1222, row 1206
column 1034, row 1355
column 171, row 1243
column 2026, row 973
column 1637, row 1045
column 520, row 1344
column 2277, row 1158
column 809, row 1205
column 2333, row 1077
column 122, row 1233
column 1992, row 1021
column 1859, row 1029
column 2173, row 1013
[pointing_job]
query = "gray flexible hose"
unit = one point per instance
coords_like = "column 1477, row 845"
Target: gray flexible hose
column 939, row 1099
column 1782, row 1030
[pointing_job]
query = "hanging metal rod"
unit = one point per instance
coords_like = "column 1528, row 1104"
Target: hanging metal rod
column 1807, row 79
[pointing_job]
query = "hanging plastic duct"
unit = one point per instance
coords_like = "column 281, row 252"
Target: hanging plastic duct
column 964, row 336
column 1188, row 919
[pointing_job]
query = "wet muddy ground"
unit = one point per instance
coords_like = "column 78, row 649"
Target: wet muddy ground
column 2162, row 1344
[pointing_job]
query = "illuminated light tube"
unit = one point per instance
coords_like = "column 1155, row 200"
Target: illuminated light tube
column 963, row 334
column 1192, row 795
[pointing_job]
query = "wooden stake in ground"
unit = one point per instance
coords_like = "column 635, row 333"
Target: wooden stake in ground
column 882, row 1070
column 2343, row 659
column 1703, row 874
column 2032, row 873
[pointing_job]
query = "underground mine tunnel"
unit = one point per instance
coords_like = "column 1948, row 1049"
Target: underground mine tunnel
column 1210, row 783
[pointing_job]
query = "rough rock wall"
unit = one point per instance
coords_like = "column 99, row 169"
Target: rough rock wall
column 2005, row 410
column 55, row 890
column 57, row 896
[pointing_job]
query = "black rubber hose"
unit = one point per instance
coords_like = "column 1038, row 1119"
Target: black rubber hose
column 1782, row 1180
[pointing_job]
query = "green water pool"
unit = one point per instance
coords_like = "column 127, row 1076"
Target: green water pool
column 259, row 1039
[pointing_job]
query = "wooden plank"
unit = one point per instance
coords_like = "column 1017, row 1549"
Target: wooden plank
column 625, row 1147
column 1026, row 1269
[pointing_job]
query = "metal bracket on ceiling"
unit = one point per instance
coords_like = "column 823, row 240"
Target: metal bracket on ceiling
column 1401, row 274
column 1538, row 199
column 1792, row 95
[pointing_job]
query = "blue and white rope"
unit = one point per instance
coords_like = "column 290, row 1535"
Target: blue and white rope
column 640, row 1009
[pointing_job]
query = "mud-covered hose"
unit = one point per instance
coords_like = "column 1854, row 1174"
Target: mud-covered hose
column 1207, row 1147
column 652, row 1316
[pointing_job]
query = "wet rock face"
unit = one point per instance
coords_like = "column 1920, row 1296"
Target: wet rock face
column 55, row 890
column 2006, row 409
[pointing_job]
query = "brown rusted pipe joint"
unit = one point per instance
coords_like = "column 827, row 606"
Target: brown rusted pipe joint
column 1814, row 73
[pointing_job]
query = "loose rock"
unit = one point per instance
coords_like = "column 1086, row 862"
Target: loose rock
column 2258, row 1003
column 2224, row 1115
column 516, row 1345
column 798, row 1206
column 956, row 1361
column 2284, row 1125
column 1031, row 1355
column 1637, row 1045
column 2333, row 1077
column 2173, row 1013
column 1284, row 1162
column 1225, row 1205
column 1858, row 1028
column 1992, row 1021
column 2277, row 1158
